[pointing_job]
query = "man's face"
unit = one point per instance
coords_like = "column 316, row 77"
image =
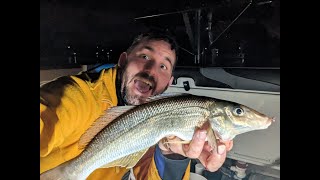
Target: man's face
column 147, row 71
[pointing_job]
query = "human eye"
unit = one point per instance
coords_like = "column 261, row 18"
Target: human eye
column 144, row 56
column 162, row 66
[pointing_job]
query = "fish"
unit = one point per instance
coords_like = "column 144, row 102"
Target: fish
column 122, row 135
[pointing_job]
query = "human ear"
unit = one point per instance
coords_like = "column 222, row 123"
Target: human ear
column 171, row 80
column 123, row 59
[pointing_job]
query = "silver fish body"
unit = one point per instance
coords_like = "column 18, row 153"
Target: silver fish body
column 146, row 124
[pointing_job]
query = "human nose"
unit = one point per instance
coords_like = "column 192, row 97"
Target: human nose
column 150, row 67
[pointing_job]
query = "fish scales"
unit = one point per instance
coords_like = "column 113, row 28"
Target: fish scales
column 132, row 124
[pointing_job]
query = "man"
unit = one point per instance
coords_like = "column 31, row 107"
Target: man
column 70, row 104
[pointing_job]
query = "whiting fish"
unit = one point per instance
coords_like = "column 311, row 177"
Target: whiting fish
column 124, row 133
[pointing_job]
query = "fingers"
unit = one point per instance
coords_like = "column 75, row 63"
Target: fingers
column 207, row 147
column 191, row 150
column 213, row 160
column 228, row 144
column 165, row 148
column 169, row 148
column 176, row 147
column 194, row 149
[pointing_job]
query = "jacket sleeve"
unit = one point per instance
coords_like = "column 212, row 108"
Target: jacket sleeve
column 67, row 108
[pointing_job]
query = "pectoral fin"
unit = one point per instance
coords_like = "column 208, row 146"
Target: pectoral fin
column 127, row 161
column 212, row 140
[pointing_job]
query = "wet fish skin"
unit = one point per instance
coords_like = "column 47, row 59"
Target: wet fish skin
column 144, row 125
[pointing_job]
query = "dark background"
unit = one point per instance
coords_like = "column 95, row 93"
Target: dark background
column 76, row 32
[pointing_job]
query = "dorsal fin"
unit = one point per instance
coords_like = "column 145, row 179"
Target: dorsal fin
column 165, row 95
column 108, row 116
column 128, row 161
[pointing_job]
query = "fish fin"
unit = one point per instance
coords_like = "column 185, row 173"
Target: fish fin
column 127, row 161
column 108, row 116
column 212, row 140
column 118, row 110
column 117, row 169
column 165, row 95
column 177, row 142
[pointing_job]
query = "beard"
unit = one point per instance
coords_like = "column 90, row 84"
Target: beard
column 130, row 99
column 128, row 96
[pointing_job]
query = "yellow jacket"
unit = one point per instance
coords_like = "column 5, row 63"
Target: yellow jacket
column 68, row 107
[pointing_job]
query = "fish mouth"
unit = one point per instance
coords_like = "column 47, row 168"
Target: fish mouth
column 142, row 85
column 270, row 121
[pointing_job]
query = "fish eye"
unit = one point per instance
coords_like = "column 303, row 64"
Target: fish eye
column 238, row 111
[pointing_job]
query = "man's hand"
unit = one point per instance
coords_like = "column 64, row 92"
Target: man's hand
column 199, row 148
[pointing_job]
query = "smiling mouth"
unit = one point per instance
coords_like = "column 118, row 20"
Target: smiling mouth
column 143, row 85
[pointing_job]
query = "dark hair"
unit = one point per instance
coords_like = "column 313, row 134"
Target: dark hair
column 156, row 35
